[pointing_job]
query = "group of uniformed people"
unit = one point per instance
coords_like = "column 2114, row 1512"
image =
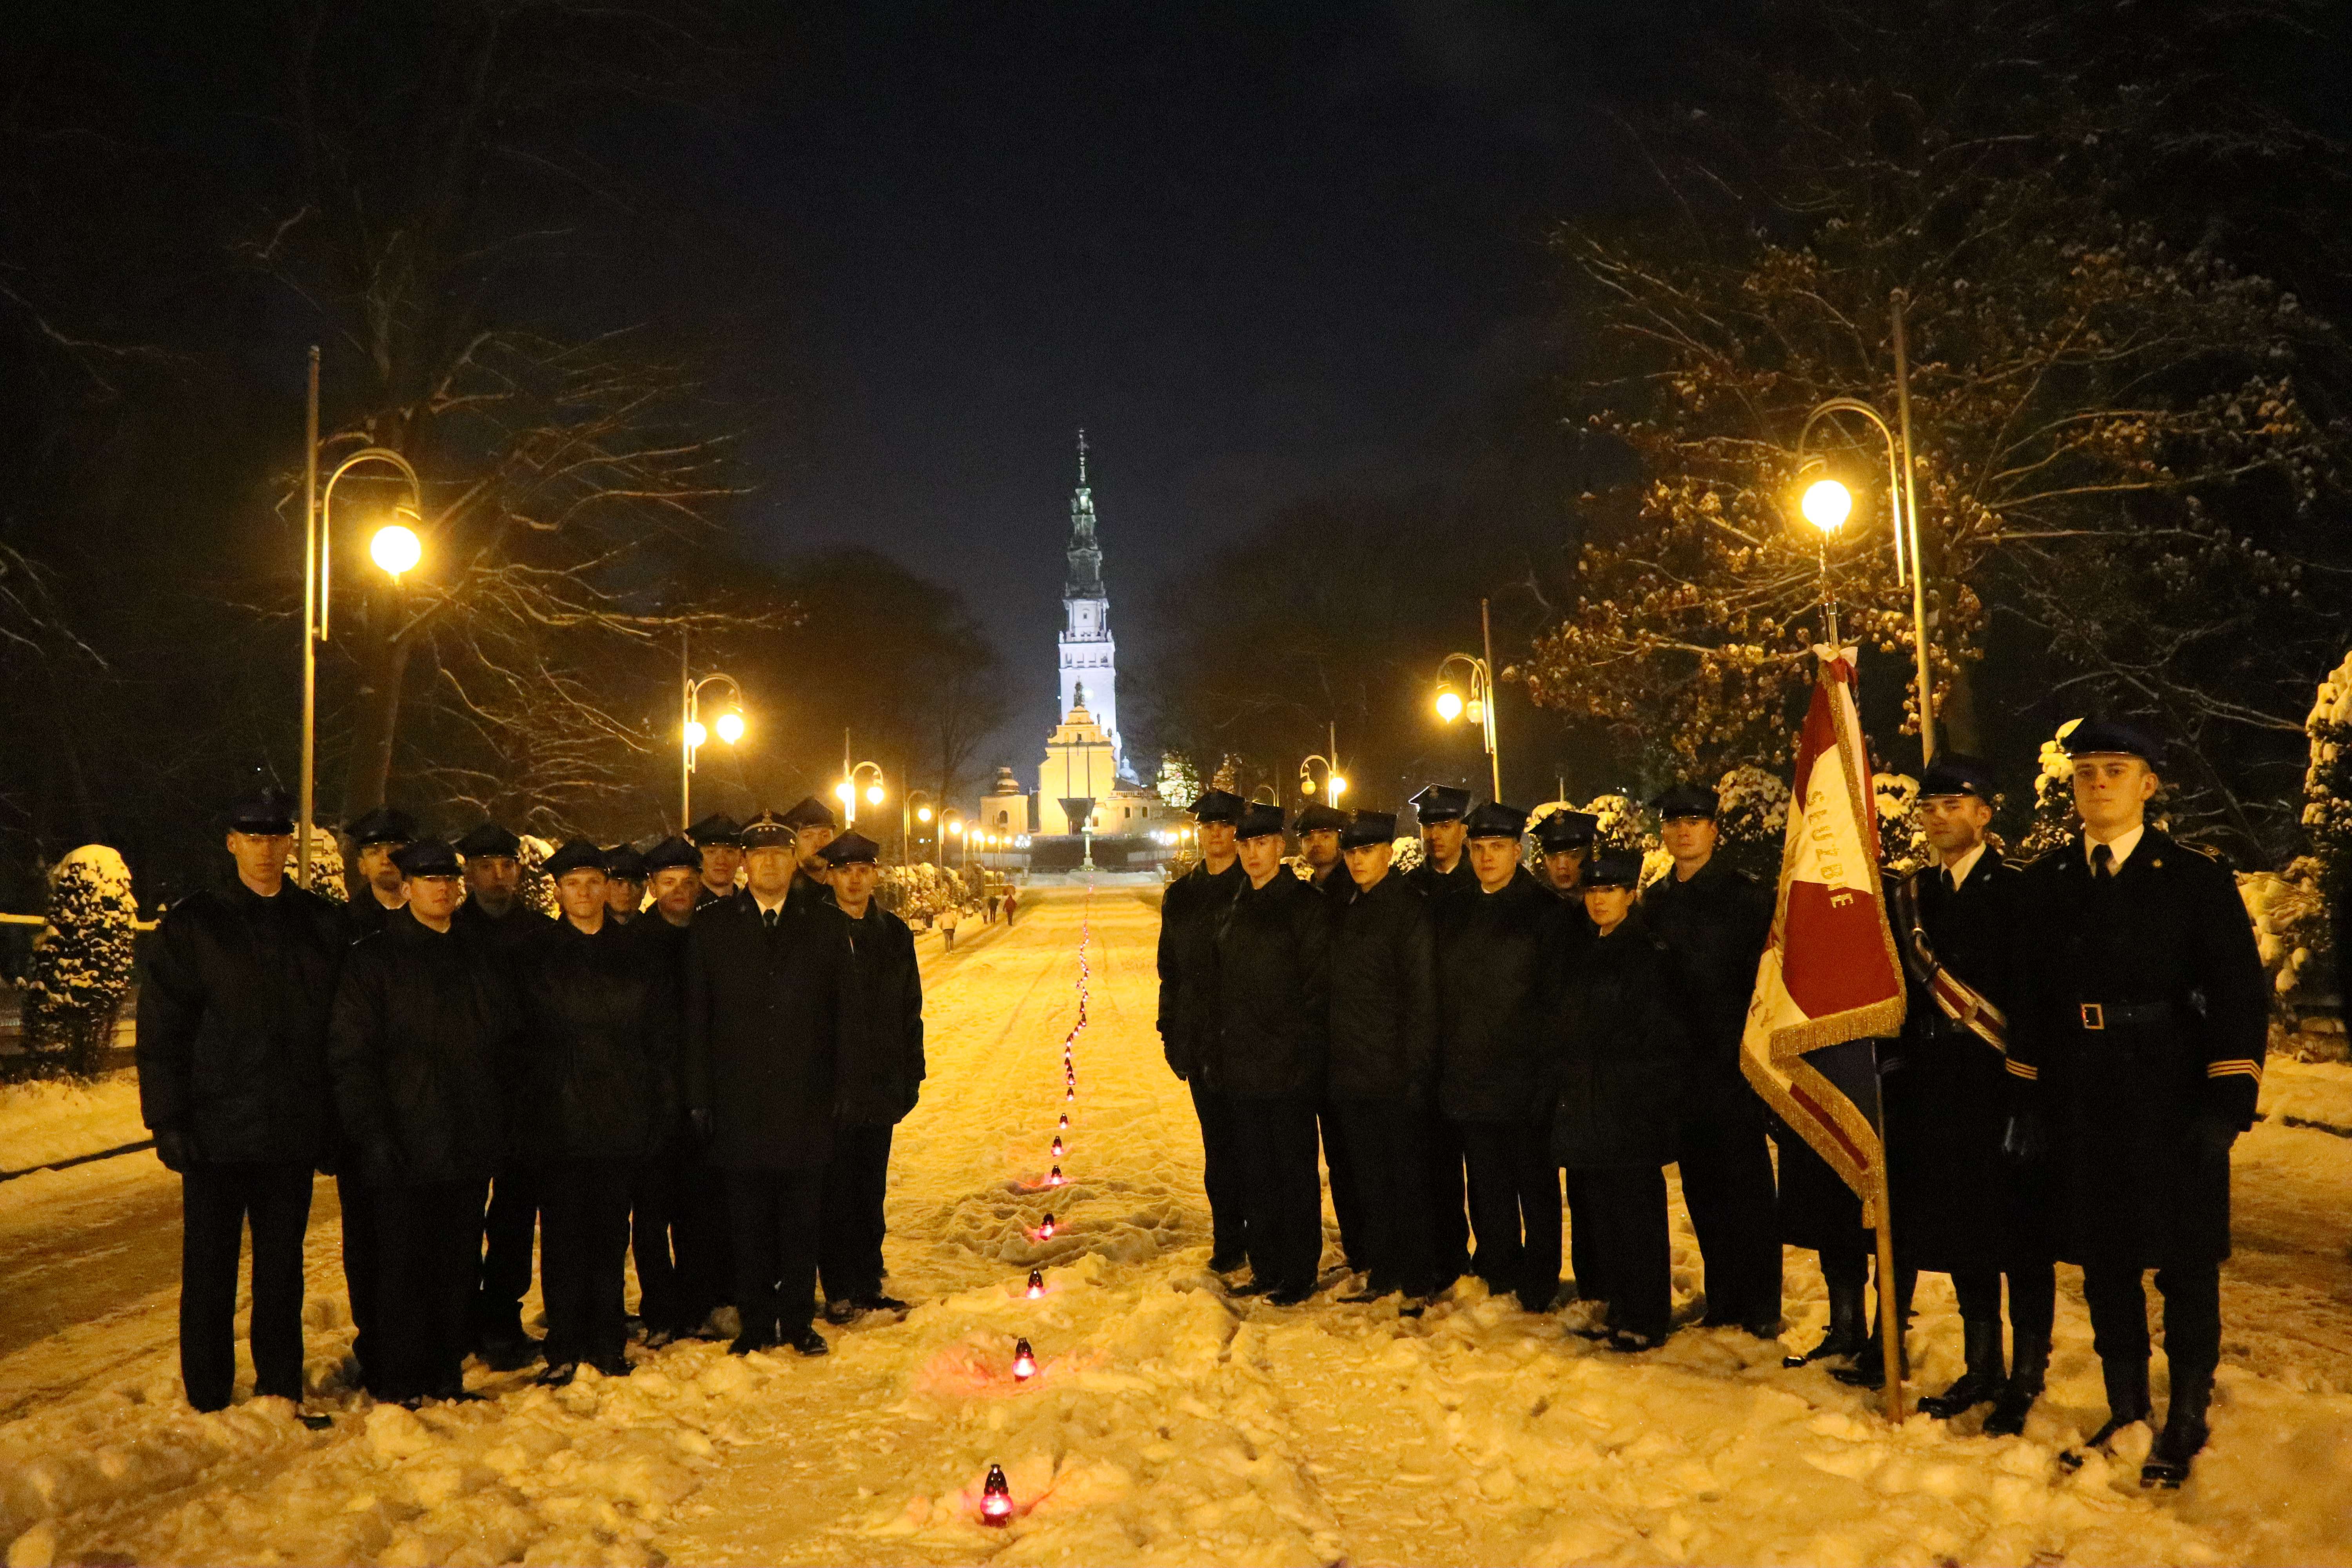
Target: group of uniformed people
column 1493, row 1038
column 698, row 1060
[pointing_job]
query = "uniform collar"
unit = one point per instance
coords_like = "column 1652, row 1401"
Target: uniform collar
column 1958, row 870
column 2122, row 844
column 766, row 908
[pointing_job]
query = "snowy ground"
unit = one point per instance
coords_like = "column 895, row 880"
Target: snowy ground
column 1169, row 1423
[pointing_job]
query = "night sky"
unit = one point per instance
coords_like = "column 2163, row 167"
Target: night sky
column 1256, row 252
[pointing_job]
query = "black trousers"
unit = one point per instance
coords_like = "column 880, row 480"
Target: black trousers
column 1383, row 1143
column 1514, row 1207
column 652, row 1209
column 1727, row 1185
column 775, row 1215
column 849, row 1236
column 1625, row 1208
column 1347, row 1205
column 700, row 1235
column 362, row 1269
column 216, row 1202
column 585, row 1209
column 1579, row 1237
column 510, row 1227
column 2032, row 1297
column 430, row 1237
column 1280, row 1190
column 1449, row 1216
column 1221, row 1176
column 2193, row 1316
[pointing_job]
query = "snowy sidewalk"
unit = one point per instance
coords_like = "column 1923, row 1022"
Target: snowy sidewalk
column 1170, row 1424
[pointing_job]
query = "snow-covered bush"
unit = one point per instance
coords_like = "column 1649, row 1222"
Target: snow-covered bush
column 1180, row 781
column 2289, row 923
column 919, row 894
column 1618, row 824
column 1902, row 837
column 1751, row 820
column 81, row 960
column 1408, row 854
column 326, row 866
column 2327, row 811
column 537, row 889
column 2054, row 818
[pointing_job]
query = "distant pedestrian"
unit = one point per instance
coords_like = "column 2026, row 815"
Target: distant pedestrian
column 1011, row 902
column 948, row 918
column 987, row 908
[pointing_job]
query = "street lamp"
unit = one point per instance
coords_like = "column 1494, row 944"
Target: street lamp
column 693, row 733
column 847, row 792
column 911, row 814
column 1334, row 785
column 1478, row 675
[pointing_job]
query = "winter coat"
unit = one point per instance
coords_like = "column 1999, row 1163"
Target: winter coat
column 1715, row 925
column 366, row 915
column 1618, row 1043
column 1273, row 1005
column 1188, row 963
column 765, row 1031
column 1435, row 885
column 1383, row 990
column 2141, row 1012
column 596, row 1077
column 882, row 1063
column 232, row 1042
column 425, row 1027
column 501, row 936
column 1497, row 961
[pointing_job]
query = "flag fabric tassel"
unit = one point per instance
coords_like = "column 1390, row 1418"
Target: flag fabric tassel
column 1831, row 980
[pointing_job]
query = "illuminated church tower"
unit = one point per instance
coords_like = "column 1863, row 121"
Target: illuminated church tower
column 1088, row 654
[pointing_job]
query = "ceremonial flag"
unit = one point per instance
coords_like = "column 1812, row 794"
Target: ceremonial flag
column 1830, row 981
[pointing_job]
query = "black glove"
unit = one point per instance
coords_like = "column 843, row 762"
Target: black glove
column 174, row 1147
column 700, row 1120
column 2025, row 1139
column 2209, row 1137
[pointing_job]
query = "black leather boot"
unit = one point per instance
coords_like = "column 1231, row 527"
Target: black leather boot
column 2183, row 1435
column 2027, row 1376
column 1846, row 1336
column 1982, row 1381
column 2126, row 1399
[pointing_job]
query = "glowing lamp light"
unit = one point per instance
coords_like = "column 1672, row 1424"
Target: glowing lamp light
column 1045, row 1231
column 1053, row 1181
column 1024, row 1365
column 922, row 814
column 955, row 830
column 1827, row 504
column 996, row 1498
column 874, row 795
column 1071, row 1093
column 1339, row 786
column 730, row 727
column 1449, row 705
column 845, row 793
column 1475, row 710
column 396, row 549
column 696, row 734
column 1057, row 1142
column 1065, row 1121
column 1036, row 1285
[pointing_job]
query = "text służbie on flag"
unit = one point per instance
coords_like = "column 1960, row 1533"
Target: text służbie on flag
column 1830, row 982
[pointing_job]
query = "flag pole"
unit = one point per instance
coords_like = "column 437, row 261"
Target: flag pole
column 1890, row 1327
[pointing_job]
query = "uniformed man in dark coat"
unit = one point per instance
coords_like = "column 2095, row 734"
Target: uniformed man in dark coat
column 1445, row 867
column 624, row 882
column 377, row 839
column 1564, row 839
column 2138, row 1042
column 425, row 1028
column 678, row 1206
column 721, row 838
column 1618, row 1042
column 495, row 918
column 1714, row 920
column 1189, row 915
column 1963, row 1210
column 881, row 1075
column 1319, row 828
column 1268, row 1042
column 812, row 821
column 765, row 998
column 1319, row 843
column 1444, row 871
column 232, row 1083
column 1498, row 948
column 674, row 877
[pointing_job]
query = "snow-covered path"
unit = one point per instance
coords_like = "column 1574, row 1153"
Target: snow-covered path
column 1170, row 1425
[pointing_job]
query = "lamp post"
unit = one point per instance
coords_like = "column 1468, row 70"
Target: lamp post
column 1826, row 503
column 395, row 549
column 908, row 815
column 847, row 791
column 692, row 732
column 1479, row 708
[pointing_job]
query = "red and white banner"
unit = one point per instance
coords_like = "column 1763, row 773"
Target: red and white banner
column 1830, row 974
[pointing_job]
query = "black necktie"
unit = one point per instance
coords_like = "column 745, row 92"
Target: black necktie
column 768, row 917
column 2103, row 861
column 1950, row 886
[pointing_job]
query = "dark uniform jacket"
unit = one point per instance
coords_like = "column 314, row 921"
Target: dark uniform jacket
column 1496, row 963
column 1272, row 1018
column 764, row 1032
column 1944, row 1086
column 882, row 1065
column 1383, row 990
column 232, row 1045
column 426, row 1026
column 1715, row 925
column 501, row 936
column 596, row 1075
column 1188, row 961
column 1435, row 884
column 367, row 915
column 2140, row 1012
column 1619, row 1044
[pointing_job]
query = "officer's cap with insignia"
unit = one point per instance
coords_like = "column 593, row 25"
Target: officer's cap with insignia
column 384, row 825
column 1367, row 828
column 1321, row 818
column 1493, row 819
column 1219, row 806
column 577, row 855
column 852, row 849
column 809, row 811
column 1955, row 774
column 488, row 839
column 2105, row 737
column 1259, row 821
column 671, row 852
column 624, row 863
column 265, row 809
column 718, row 829
column 426, row 858
column 767, row 831
column 1563, row 830
column 1614, row 868
column 1441, row 803
column 1686, row 799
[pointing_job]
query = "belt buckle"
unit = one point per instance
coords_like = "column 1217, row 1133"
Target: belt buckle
column 2093, row 1015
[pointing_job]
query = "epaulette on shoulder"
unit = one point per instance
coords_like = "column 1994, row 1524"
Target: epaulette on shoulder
column 2207, row 850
